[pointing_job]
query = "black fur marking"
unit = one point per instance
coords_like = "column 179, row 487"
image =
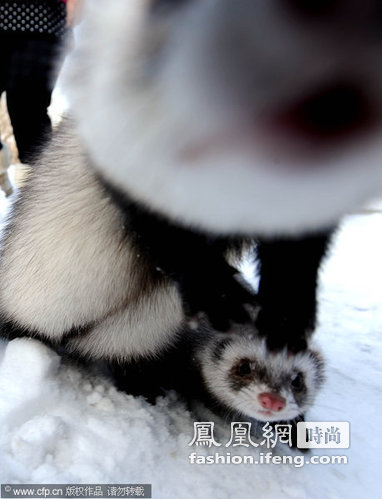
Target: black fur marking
column 194, row 261
column 258, row 375
column 219, row 349
column 9, row 330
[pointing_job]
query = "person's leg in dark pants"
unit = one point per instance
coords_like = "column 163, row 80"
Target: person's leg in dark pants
column 29, row 88
column 27, row 107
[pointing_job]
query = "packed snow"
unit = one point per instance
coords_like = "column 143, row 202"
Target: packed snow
column 61, row 423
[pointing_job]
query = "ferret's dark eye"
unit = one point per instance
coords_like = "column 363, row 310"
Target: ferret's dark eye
column 298, row 382
column 244, row 368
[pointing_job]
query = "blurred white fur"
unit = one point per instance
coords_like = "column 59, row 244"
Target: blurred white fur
column 160, row 120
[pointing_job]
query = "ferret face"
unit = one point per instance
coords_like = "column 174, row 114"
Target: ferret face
column 240, row 373
column 247, row 116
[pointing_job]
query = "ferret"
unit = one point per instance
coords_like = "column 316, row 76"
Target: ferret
column 233, row 374
column 238, row 371
column 198, row 128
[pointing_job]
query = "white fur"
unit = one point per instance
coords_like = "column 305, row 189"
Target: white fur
column 144, row 328
column 66, row 263
column 179, row 137
column 280, row 366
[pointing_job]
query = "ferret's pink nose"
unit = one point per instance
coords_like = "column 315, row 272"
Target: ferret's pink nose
column 272, row 401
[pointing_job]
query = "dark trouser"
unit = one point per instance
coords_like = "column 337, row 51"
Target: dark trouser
column 27, row 76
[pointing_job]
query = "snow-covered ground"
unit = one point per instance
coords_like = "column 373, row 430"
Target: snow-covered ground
column 60, row 424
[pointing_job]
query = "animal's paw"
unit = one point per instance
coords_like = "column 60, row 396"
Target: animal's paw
column 219, row 294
